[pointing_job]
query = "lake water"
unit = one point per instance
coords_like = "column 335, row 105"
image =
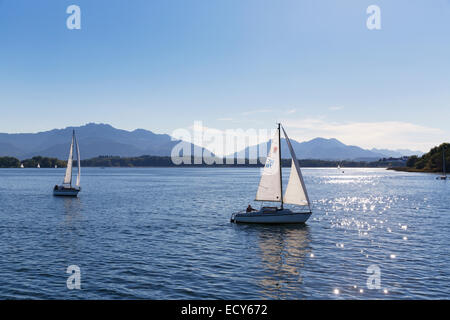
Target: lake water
column 164, row 233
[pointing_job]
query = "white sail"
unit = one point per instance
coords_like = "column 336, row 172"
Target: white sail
column 270, row 184
column 296, row 191
column 68, row 176
column 79, row 164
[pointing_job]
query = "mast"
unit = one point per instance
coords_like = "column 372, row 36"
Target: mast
column 281, row 174
column 73, row 138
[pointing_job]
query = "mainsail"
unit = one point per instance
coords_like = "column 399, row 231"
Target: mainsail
column 68, row 176
column 296, row 191
column 79, row 162
column 270, row 184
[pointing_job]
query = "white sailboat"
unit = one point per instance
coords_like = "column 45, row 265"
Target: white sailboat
column 21, row 166
column 38, row 166
column 444, row 171
column 271, row 189
column 66, row 189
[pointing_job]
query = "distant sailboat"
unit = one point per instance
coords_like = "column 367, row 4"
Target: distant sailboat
column 66, row 189
column 56, row 166
column 21, row 165
column 271, row 189
column 444, row 171
column 339, row 167
column 38, row 166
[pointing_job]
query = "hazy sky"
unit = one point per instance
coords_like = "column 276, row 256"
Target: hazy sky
column 161, row 65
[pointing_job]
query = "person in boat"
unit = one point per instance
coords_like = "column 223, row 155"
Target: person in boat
column 250, row 209
column 56, row 187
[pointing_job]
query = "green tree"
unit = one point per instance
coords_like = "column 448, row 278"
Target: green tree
column 9, row 162
column 412, row 161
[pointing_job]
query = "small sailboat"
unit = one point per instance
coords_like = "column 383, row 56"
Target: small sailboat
column 271, row 189
column 56, row 166
column 21, row 166
column 66, row 189
column 38, row 166
column 444, row 171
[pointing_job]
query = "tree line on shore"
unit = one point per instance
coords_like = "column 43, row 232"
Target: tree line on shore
column 432, row 161
column 43, row 162
column 158, row 161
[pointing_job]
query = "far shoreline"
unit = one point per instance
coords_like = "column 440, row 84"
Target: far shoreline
column 198, row 167
column 414, row 170
column 165, row 161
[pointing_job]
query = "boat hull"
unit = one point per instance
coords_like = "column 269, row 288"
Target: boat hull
column 278, row 217
column 66, row 192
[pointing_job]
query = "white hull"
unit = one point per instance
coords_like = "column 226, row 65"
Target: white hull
column 271, row 217
column 66, row 192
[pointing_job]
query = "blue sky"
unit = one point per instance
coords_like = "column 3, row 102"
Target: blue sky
column 161, row 65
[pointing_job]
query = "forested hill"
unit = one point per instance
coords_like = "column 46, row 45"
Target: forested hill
column 429, row 162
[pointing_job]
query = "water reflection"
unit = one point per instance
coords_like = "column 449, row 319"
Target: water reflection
column 282, row 250
column 69, row 233
column 72, row 210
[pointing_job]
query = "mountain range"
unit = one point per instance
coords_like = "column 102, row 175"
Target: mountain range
column 327, row 149
column 94, row 140
column 103, row 139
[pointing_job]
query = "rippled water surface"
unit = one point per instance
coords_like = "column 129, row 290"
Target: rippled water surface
column 164, row 233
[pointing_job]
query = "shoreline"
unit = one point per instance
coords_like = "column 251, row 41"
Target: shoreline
column 201, row 166
column 166, row 162
column 414, row 170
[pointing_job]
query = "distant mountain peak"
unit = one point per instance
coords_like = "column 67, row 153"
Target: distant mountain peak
column 95, row 139
column 94, row 124
column 323, row 139
column 325, row 142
